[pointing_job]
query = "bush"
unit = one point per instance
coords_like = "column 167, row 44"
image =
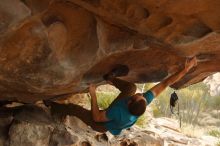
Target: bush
column 156, row 110
column 215, row 133
column 142, row 121
column 104, row 99
column 193, row 130
column 214, row 102
column 192, row 101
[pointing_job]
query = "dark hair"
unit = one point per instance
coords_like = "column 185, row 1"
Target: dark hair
column 137, row 108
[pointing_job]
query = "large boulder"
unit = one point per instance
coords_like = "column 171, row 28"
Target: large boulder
column 50, row 49
column 35, row 126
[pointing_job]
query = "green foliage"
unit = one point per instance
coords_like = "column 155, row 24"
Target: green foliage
column 162, row 103
column 192, row 101
column 214, row 102
column 215, row 133
column 142, row 121
column 145, row 87
column 156, row 110
column 104, row 99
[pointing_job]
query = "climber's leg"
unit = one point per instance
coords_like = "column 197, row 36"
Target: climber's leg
column 78, row 111
column 126, row 88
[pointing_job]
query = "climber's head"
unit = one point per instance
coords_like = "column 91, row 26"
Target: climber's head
column 137, row 104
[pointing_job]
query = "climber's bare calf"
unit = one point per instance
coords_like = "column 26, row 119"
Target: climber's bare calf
column 62, row 110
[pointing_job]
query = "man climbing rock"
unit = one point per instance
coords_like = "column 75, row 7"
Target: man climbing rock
column 125, row 109
column 128, row 106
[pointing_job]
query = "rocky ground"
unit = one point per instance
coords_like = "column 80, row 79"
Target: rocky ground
column 32, row 125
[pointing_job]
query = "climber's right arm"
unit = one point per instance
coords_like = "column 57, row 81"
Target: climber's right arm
column 98, row 115
column 157, row 89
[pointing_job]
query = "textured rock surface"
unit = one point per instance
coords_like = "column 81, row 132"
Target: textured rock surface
column 52, row 48
column 213, row 83
column 20, row 127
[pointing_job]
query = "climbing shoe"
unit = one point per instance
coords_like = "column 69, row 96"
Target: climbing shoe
column 118, row 71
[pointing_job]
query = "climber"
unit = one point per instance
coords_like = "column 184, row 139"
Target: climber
column 124, row 110
column 128, row 106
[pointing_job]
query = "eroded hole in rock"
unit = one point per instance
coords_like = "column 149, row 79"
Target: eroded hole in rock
column 146, row 13
column 121, row 69
column 48, row 20
column 165, row 22
column 133, row 144
column 197, row 30
column 24, row 1
column 101, row 137
column 153, row 77
column 123, row 143
column 205, row 57
column 128, row 143
column 86, row 143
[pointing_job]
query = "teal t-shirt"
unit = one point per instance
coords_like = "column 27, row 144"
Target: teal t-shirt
column 119, row 115
column 149, row 96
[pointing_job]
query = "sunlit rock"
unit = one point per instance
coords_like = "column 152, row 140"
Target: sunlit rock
column 214, row 84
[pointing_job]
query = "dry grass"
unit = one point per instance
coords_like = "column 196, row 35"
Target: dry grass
column 193, row 131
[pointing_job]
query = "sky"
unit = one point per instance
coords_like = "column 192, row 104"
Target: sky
column 214, row 84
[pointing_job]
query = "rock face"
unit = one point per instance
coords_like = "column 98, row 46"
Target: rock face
column 213, row 83
column 53, row 48
column 20, row 127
